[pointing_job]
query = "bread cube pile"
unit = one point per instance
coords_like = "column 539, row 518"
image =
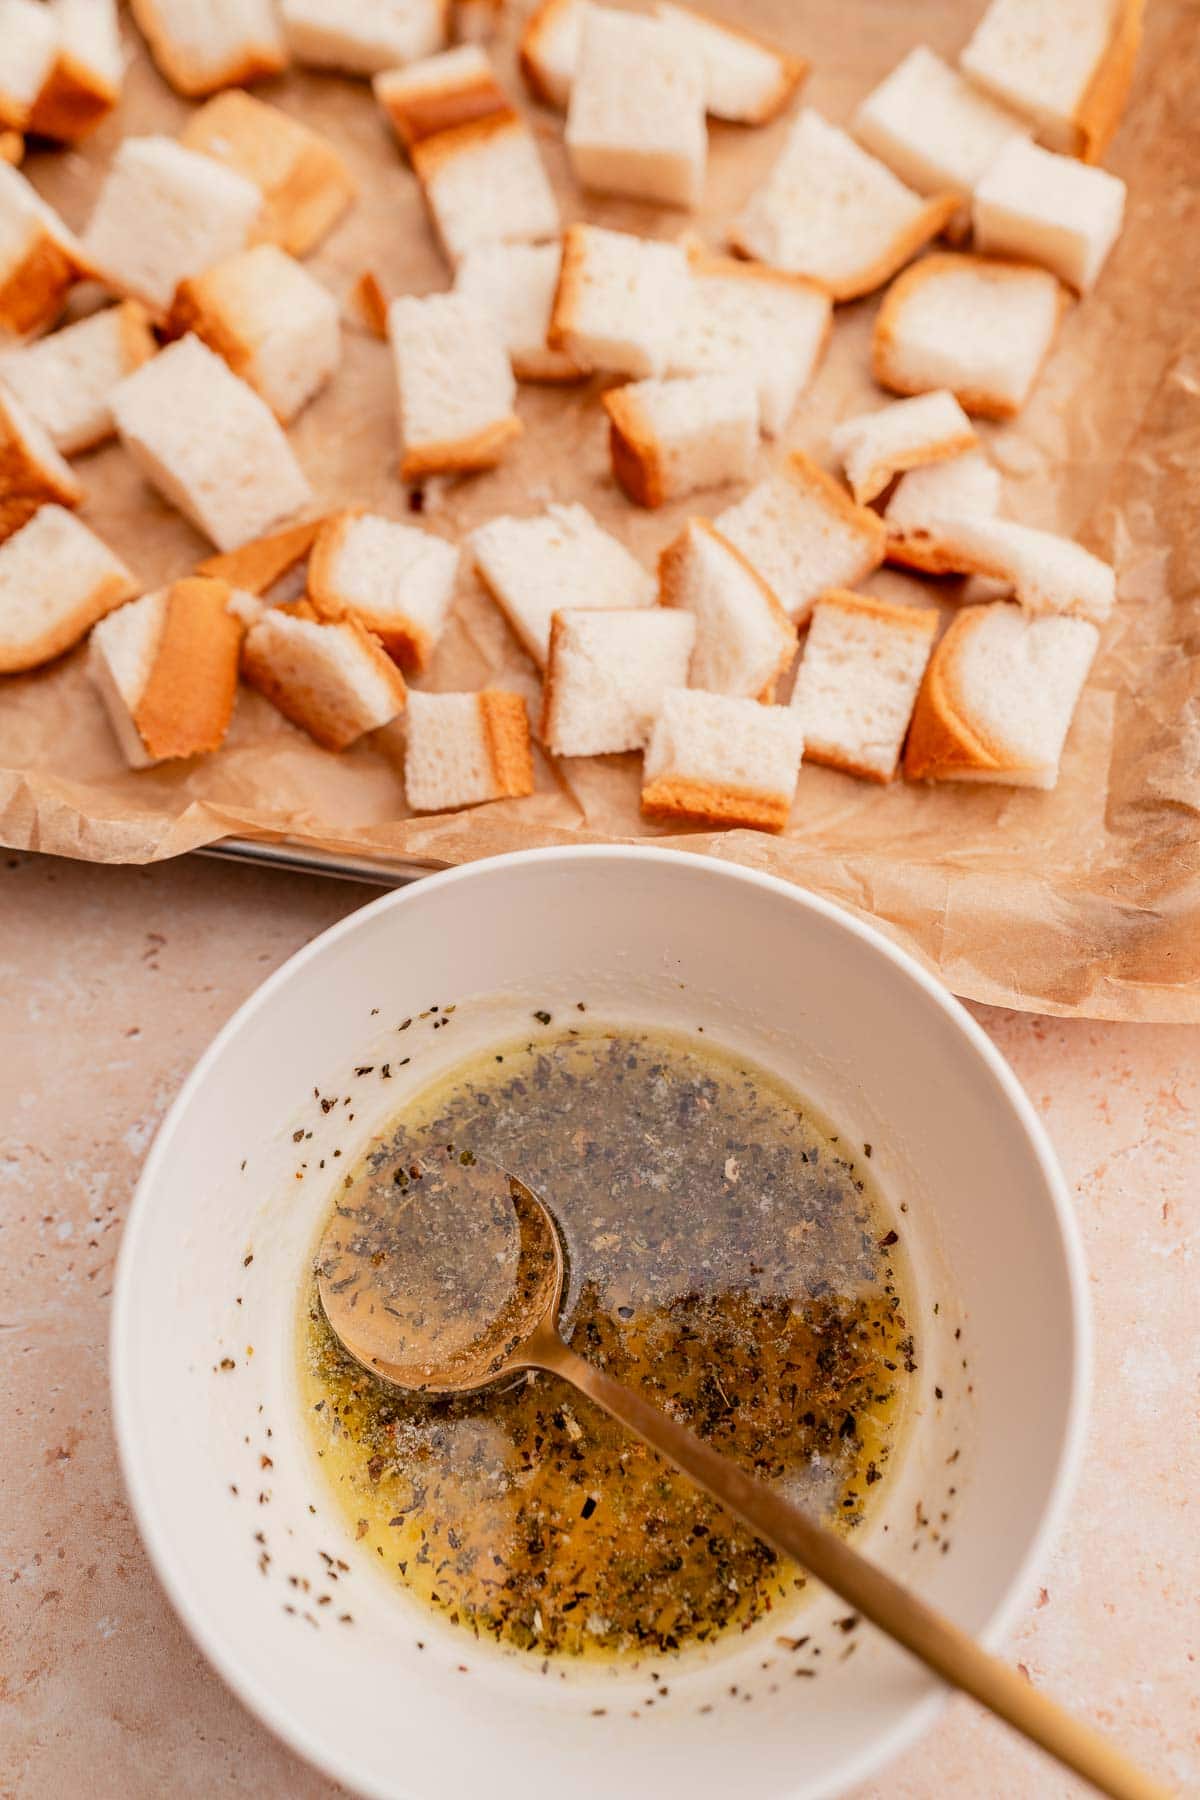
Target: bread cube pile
column 180, row 318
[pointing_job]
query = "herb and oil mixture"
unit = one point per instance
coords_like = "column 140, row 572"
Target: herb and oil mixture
column 726, row 1256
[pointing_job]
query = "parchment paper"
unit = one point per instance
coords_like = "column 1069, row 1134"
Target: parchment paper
column 1084, row 902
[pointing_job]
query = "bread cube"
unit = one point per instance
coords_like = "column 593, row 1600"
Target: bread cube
column 532, row 567
column 858, row 679
column 163, row 213
column 670, row 438
column 875, row 447
column 209, row 444
column 166, row 669
column 454, row 386
column 396, row 580
column 31, row 470
column 365, row 37
column 465, row 749
column 453, row 88
column 329, row 677
column 980, row 328
column 829, row 210
column 273, row 323
column 998, row 697
column 1047, row 573
column 304, row 183
column 1067, row 67
column 619, row 302
column 83, row 83
column 202, row 45
column 1049, row 209
column 12, row 147
column 64, row 380
column 635, row 122
column 744, row 640
column 30, row 41
column 40, row 261
column 606, row 675
column 762, row 323
column 934, row 129
column 517, row 283
column 713, row 760
column 746, row 80
column 802, row 532
column 56, row 579
column 964, row 487
column 549, row 50
column 484, row 184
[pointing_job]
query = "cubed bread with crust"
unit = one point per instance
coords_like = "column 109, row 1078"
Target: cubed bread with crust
column 64, row 380
column 165, row 212
column 561, row 557
column 454, row 386
column 858, row 679
column 973, row 324
column 829, row 210
column 517, row 283
column 166, row 669
column 83, row 83
column 713, row 760
column 40, row 260
column 56, row 579
column 606, row 675
column 29, row 41
column 1067, row 67
column 875, row 447
column 549, row 50
column 746, row 80
column 998, row 697
column 964, row 487
column 803, row 533
column 671, row 438
column 12, row 147
column 465, row 749
column 484, row 184
column 635, row 121
column 745, row 641
column 934, row 129
column 763, row 323
column 209, row 444
column 203, row 45
column 332, row 678
column 361, row 37
column 1047, row 573
column 304, row 183
column 1050, row 209
column 620, row 301
column 455, row 87
column 31, row 470
column 254, row 567
column 395, row 579
column 275, row 325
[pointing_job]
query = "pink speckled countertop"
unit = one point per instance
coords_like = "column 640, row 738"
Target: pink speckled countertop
column 113, row 980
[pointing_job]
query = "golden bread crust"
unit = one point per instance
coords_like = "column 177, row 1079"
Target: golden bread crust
column 670, row 797
column 73, row 100
column 453, row 456
column 109, row 592
column 671, row 564
column 305, row 183
column 933, row 217
column 505, row 725
column 25, row 482
column 529, row 49
column 1103, row 103
column 918, row 456
column 302, row 704
column 188, row 700
column 940, row 742
column 372, row 303
column 35, row 289
column 422, row 113
column 259, row 565
column 635, row 453
column 407, row 643
column 867, row 525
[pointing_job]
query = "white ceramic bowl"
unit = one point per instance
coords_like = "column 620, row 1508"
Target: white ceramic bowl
column 222, row 1229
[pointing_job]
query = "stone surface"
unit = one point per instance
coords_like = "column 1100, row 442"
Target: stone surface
column 111, row 983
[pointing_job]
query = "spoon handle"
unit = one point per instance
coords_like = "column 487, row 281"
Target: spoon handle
column 930, row 1637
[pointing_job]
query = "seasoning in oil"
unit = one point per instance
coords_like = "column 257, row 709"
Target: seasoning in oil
column 726, row 1256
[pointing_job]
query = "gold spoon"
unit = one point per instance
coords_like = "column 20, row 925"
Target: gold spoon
column 454, row 1279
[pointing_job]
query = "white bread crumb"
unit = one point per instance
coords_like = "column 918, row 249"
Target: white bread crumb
column 454, row 386
column 635, row 122
column 1049, row 209
column 517, row 283
column 671, row 438
column 365, row 37
column 620, row 300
